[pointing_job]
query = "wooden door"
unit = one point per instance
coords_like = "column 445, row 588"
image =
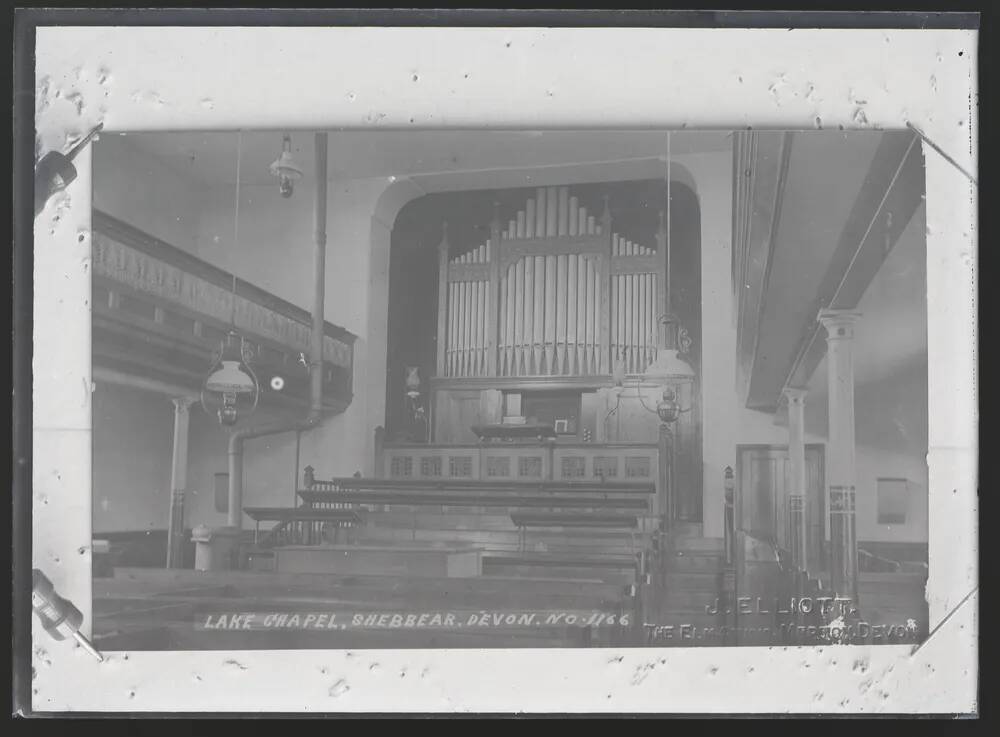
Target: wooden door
column 763, row 480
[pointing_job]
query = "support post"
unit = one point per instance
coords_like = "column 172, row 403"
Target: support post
column 379, row 452
column 667, row 501
column 178, row 482
column 729, row 511
column 796, row 504
column 839, row 326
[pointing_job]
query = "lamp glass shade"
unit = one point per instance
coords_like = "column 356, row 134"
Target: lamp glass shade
column 668, row 365
column 413, row 378
column 230, row 379
column 285, row 166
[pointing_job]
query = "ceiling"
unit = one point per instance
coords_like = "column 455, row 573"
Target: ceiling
column 822, row 181
column 842, row 203
column 891, row 334
column 210, row 158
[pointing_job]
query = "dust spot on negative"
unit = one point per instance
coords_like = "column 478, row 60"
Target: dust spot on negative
column 339, row 688
column 77, row 100
column 234, row 664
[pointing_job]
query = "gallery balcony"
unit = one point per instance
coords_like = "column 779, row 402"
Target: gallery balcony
column 159, row 314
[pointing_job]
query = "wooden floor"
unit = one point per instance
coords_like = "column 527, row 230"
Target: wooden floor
column 149, row 609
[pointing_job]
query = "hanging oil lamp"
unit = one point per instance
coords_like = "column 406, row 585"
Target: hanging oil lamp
column 231, row 390
column 286, row 168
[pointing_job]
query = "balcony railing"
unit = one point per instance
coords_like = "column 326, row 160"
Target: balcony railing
column 160, row 310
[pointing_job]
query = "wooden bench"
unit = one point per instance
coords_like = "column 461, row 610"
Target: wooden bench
column 582, row 519
column 628, row 488
column 508, row 500
column 309, row 515
column 587, row 520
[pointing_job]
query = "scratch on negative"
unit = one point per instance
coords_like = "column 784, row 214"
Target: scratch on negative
column 946, row 618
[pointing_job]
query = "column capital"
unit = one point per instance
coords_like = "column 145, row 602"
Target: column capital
column 839, row 324
column 183, row 404
column 795, row 394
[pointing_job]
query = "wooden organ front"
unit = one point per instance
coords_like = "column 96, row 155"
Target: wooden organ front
column 552, row 321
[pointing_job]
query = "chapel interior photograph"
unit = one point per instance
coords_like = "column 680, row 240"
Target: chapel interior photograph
column 511, row 389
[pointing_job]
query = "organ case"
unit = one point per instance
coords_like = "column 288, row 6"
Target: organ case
column 554, row 292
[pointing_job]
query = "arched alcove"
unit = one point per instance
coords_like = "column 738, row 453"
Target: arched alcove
column 412, row 295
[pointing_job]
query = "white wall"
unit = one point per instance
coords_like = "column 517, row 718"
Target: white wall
column 891, row 421
column 726, row 423
column 132, row 441
column 140, row 189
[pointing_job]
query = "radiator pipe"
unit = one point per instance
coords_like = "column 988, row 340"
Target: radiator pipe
column 314, row 415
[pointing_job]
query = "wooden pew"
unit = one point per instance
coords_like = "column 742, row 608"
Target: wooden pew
column 508, row 499
column 540, row 487
column 524, row 521
column 308, row 516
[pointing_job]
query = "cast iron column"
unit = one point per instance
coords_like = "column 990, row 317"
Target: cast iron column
column 178, row 482
column 839, row 326
column 797, row 516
